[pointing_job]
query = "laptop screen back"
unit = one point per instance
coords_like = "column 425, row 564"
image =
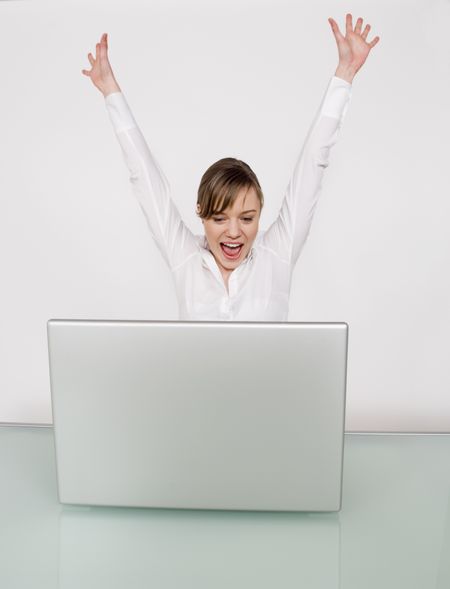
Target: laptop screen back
column 204, row 415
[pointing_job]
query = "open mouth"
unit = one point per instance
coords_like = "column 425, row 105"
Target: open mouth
column 232, row 252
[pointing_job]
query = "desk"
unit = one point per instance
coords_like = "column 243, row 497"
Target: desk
column 393, row 530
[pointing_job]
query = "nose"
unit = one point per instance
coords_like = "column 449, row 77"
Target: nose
column 233, row 229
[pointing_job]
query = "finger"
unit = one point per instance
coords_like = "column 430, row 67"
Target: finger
column 334, row 26
column 365, row 32
column 348, row 24
column 358, row 26
column 374, row 42
column 97, row 50
column 85, row 72
column 104, row 63
column 103, row 49
column 91, row 59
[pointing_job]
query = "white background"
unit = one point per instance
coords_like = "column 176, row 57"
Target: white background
column 206, row 80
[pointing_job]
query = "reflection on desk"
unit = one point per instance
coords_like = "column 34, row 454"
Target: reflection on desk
column 393, row 530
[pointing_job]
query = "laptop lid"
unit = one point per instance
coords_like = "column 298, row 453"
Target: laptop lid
column 203, row 415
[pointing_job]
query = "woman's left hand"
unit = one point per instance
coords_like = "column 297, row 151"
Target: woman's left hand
column 353, row 48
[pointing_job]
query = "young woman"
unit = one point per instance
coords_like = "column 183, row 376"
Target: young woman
column 234, row 272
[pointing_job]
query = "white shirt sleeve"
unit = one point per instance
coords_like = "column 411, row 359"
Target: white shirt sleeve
column 289, row 231
column 150, row 186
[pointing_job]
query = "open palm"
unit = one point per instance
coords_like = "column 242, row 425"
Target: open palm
column 353, row 48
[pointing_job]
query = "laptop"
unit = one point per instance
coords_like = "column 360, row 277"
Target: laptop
column 199, row 414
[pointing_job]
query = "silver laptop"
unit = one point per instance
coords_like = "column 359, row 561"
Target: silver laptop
column 199, row 415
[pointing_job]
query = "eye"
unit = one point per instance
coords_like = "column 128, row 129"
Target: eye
column 248, row 219
column 218, row 219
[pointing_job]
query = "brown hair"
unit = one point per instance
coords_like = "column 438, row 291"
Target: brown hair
column 221, row 183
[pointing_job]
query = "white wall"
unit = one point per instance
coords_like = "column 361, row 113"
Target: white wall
column 212, row 79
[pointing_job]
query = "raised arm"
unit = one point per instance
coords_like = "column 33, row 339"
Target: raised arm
column 149, row 184
column 288, row 233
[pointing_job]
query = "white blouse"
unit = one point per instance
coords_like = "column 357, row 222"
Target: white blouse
column 259, row 287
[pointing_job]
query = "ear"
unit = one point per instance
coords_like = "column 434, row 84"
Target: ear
column 198, row 212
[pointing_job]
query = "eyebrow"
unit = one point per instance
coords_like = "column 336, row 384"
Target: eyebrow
column 243, row 212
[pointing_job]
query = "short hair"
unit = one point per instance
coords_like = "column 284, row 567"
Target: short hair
column 221, row 183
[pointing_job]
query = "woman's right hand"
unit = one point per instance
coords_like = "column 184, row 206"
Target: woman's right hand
column 101, row 73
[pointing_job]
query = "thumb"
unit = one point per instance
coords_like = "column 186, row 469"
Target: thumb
column 337, row 33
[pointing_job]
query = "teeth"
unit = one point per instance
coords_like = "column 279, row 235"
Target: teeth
column 232, row 244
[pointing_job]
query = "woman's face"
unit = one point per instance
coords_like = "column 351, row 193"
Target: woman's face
column 236, row 225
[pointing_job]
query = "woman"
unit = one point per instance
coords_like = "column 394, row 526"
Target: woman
column 234, row 272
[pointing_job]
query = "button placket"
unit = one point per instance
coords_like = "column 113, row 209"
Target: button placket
column 233, row 281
